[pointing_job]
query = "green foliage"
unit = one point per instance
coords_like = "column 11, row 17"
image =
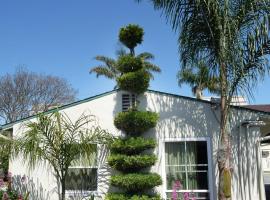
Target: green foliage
column 127, row 163
column 12, row 195
column 129, row 63
column 119, row 196
column 135, row 122
column 54, row 138
column 135, row 182
column 4, row 161
column 135, row 82
column 132, row 145
column 131, row 36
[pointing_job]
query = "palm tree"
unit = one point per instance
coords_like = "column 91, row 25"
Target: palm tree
column 231, row 38
column 199, row 79
column 109, row 66
column 57, row 140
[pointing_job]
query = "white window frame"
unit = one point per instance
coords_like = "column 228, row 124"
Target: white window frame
column 86, row 193
column 209, row 160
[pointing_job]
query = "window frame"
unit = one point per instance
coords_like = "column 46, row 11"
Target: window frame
column 86, row 193
column 209, row 161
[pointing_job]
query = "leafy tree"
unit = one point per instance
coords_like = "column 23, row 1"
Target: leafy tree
column 26, row 93
column 232, row 39
column 199, row 79
column 58, row 140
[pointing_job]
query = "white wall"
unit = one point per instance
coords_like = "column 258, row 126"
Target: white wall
column 179, row 118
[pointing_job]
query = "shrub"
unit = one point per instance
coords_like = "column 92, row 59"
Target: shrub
column 12, row 195
column 136, row 181
column 131, row 35
column 135, row 122
column 131, row 163
column 129, row 63
column 119, row 196
column 132, row 145
column 135, row 82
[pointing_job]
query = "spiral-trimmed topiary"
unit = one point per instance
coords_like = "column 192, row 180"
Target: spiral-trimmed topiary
column 127, row 156
column 132, row 145
column 129, row 63
column 135, row 122
column 135, row 82
column 135, row 182
column 119, row 196
column 128, row 163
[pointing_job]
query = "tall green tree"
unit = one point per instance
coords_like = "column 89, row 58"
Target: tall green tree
column 199, row 79
column 59, row 141
column 232, row 38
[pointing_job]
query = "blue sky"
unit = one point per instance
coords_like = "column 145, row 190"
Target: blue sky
column 62, row 37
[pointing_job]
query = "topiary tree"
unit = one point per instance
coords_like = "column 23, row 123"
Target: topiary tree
column 128, row 154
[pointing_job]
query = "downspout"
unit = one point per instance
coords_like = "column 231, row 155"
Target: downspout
column 249, row 124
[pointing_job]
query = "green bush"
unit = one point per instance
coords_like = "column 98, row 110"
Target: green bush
column 136, row 181
column 12, row 195
column 132, row 145
column 135, row 82
column 119, row 196
column 129, row 63
column 133, row 163
column 135, row 122
column 131, row 35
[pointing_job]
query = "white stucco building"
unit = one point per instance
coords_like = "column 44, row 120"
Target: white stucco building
column 187, row 134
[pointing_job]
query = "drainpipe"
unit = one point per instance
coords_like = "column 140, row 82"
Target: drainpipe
column 249, row 124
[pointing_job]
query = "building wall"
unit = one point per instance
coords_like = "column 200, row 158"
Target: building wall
column 180, row 118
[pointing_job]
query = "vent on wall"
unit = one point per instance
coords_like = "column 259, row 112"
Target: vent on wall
column 128, row 101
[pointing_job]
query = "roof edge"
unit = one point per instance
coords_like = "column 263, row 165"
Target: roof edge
column 205, row 101
column 8, row 125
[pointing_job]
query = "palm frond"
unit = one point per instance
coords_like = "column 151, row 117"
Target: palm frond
column 103, row 71
column 151, row 67
column 146, row 56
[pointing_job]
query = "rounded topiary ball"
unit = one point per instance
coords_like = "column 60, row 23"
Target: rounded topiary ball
column 129, row 63
column 135, row 82
column 131, row 35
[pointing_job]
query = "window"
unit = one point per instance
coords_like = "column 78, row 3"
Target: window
column 128, row 101
column 186, row 165
column 82, row 174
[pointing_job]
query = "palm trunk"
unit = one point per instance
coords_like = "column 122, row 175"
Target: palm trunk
column 63, row 187
column 224, row 191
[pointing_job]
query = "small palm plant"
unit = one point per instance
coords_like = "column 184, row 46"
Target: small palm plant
column 57, row 140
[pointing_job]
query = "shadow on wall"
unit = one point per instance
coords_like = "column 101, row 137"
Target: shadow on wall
column 35, row 190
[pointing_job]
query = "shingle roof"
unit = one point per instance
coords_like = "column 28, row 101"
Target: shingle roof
column 261, row 107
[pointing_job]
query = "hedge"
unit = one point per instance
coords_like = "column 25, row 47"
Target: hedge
column 136, row 181
column 135, row 122
column 133, row 163
column 132, row 145
column 119, row 196
column 129, row 63
column 135, row 82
